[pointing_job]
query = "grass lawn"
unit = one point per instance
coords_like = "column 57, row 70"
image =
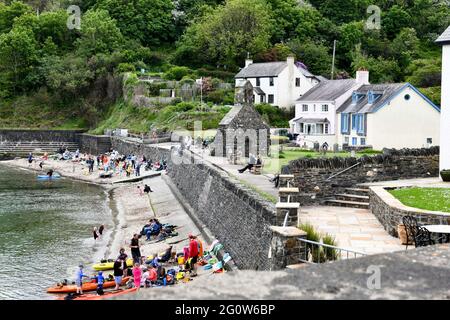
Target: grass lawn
column 434, row 199
column 273, row 165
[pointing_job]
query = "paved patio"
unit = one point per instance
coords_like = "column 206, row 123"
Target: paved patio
column 354, row 229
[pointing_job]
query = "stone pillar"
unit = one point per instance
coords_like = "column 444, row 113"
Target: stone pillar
column 285, row 248
column 287, row 207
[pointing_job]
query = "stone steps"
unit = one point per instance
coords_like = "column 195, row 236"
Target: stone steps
column 358, row 191
column 19, row 148
column 352, row 197
column 351, row 204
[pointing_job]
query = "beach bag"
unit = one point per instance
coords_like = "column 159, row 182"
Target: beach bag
column 180, row 260
column 179, row 276
column 200, row 248
column 207, row 267
column 212, row 261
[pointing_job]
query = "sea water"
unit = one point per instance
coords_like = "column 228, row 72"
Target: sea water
column 46, row 231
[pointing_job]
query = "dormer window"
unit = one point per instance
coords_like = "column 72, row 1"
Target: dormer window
column 370, row 97
column 356, row 96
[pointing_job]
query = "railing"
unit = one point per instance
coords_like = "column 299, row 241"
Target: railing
column 341, row 172
column 317, row 252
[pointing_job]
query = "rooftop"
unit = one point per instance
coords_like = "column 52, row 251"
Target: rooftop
column 445, row 37
column 268, row 69
column 328, row 90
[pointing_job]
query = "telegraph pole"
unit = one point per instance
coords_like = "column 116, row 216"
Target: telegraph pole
column 334, row 55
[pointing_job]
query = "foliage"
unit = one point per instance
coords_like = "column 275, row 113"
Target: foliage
column 275, row 116
column 176, row 73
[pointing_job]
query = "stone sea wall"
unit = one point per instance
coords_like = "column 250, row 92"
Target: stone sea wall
column 12, row 135
column 94, row 144
column 311, row 173
column 236, row 215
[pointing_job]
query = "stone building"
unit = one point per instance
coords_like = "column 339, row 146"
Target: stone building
column 242, row 131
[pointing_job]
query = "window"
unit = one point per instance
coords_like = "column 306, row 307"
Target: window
column 407, row 97
column 345, row 122
column 319, row 128
column 297, row 82
column 271, row 81
column 363, row 141
column 346, row 140
column 305, row 108
column 270, row 98
column 354, row 122
column 302, row 127
column 324, row 108
column 360, row 123
column 354, row 141
column 258, row 82
column 429, row 140
column 261, row 98
column 325, row 128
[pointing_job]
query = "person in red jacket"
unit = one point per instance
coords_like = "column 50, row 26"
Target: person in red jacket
column 193, row 253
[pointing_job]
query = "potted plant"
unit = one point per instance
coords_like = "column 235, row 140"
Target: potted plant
column 445, row 175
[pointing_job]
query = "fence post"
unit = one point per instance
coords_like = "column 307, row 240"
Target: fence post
column 285, row 247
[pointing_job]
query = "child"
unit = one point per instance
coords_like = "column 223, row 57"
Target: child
column 100, row 281
column 137, row 275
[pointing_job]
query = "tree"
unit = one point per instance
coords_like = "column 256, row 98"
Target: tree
column 350, row 35
column 9, row 13
column 149, row 21
column 99, row 34
column 225, row 35
column 394, row 20
column 315, row 56
column 425, row 72
column 18, row 55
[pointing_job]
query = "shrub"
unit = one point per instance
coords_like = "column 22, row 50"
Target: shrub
column 155, row 87
column 277, row 117
column 176, row 73
column 221, row 96
column 126, row 67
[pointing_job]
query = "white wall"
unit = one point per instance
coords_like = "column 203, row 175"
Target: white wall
column 444, row 157
column 317, row 113
column 403, row 123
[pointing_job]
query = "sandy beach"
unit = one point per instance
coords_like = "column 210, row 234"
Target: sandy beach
column 131, row 210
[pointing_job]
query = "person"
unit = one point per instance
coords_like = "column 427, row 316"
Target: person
column 137, row 275
column 141, row 193
column 251, row 163
column 100, row 281
column 91, row 165
column 41, row 164
column 95, row 233
column 144, row 278
column 276, row 180
column 119, row 266
column 193, row 254
column 100, row 230
column 153, row 276
column 135, row 251
column 138, row 169
column 30, row 159
column 79, row 279
column 166, row 256
column 147, row 189
column 122, row 254
column 50, row 173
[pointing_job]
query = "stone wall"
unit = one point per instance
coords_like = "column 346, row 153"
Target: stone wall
column 151, row 152
column 94, row 144
column 390, row 211
column 391, row 165
column 237, row 216
column 39, row 135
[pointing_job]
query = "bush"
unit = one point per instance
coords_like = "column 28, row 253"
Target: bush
column 221, row 96
column 277, row 117
column 155, row 87
column 126, row 67
column 176, row 73
column 183, row 107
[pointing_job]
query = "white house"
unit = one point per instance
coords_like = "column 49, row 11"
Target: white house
column 278, row 83
column 393, row 115
column 444, row 157
column 315, row 112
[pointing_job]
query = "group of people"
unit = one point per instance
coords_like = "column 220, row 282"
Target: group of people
column 98, row 232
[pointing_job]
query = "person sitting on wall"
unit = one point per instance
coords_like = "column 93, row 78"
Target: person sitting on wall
column 252, row 161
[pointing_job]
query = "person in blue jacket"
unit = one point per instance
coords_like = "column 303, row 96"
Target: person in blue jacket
column 79, row 279
column 100, row 281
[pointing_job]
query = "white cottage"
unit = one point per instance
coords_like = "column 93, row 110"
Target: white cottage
column 277, row 83
column 444, row 157
column 315, row 112
column 394, row 115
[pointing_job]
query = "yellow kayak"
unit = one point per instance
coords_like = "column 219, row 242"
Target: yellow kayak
column 102, row 266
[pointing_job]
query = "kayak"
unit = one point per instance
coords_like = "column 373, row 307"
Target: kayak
column 88, row 286
column 107, row 294
column 108, row 265
column 46, row 177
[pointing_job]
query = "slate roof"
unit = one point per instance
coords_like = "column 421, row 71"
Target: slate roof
column 258, row 90
column 267, row 69
column 230, row 115
column 445, row 37
column 328, row 90
column 386, row 91
column 311, row 120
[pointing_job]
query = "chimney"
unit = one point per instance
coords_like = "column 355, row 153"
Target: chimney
column 248, row 62
column 362, row 76
column 290, row 60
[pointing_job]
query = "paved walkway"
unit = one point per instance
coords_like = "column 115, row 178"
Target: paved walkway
column 434, row 182
column 354, row 229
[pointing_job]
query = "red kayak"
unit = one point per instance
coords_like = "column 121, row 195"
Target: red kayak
column 107, row 294
column 87, row 286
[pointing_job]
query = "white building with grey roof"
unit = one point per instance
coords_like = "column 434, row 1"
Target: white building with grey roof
column 315, row 112
column 277, row 83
